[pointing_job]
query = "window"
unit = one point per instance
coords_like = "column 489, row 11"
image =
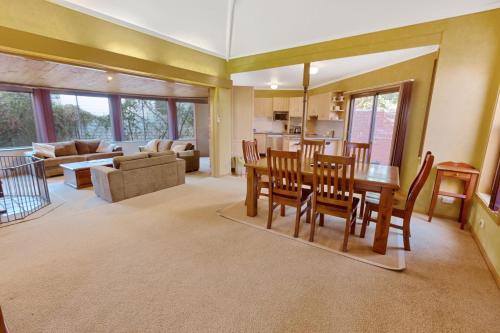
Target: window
column 81, row 117
column 17, row 123
column 144, row 119
column 185, row 120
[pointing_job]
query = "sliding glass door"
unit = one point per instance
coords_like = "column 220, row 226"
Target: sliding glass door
column 373, row 120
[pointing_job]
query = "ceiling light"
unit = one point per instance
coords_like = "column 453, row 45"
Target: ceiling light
column 109, row 78
column 313, row 70
column 274, row 86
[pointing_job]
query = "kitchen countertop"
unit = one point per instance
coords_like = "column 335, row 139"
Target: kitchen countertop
column 318, row 137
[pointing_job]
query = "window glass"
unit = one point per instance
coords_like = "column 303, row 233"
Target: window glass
column 81, row 117
column 185, row 120
column 144, row 119
column 17, row 124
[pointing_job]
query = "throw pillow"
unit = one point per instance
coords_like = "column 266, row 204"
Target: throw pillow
column 179, row 147
column 105, row 147
column 164, row 145
column 86, row 146
column 44, row 150
column 151, row 146
column 66, row 148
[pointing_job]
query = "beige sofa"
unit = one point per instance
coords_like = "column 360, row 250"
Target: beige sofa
column 74, row 151
column 190, row 155
column 138, row 174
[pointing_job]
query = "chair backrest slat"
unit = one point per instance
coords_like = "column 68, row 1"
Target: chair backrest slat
column 310, row 147
column 333, row 179
column 284, row 169
column 419, row 181
column 361, row 151
column 250, row 152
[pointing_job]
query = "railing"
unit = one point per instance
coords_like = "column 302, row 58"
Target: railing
column 23, row 187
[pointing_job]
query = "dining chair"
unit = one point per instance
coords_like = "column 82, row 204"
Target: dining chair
column 3, row 325
column 333, row 187
column 402, row 206
column 251, row 154
column 309, row 147
column 362, row 154
column 285, row 186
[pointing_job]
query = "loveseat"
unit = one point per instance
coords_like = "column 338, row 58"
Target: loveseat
column 137, row 174
column 72, row 151
column 184, row 150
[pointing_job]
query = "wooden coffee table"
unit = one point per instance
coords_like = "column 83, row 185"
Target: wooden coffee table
column 77, row 174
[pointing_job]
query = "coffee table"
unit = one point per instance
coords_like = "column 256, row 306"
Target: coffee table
column 77, row 174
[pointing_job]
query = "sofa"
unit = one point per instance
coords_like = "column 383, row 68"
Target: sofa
column 184, row 150
column 137, row 174
column 73, row 151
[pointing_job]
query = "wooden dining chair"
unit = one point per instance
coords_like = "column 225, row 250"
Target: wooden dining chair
column 362, row 153
column 3, row 325
column 333, row 187
column 285, row 186
column 309, row 147
column 402, row 206
column 251, row 154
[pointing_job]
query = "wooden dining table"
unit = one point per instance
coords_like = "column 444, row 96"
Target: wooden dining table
column 383, row 179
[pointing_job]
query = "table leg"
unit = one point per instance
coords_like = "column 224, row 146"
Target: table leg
column 251, row 192
column 383, row 221
column 435, row 192
column 469, row 193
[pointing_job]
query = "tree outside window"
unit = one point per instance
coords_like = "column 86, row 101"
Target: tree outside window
column 185, row 120
column 144, row 119
column 17, row 120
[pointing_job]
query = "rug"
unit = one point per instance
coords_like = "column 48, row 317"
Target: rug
column 329, row 237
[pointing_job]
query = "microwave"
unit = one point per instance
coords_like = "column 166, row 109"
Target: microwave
column 280, row 115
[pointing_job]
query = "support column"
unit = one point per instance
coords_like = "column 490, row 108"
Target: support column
column 116, row 117
column 44, row 118
column 172, row 119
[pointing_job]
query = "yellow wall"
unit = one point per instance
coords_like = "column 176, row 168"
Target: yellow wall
column 221, row 122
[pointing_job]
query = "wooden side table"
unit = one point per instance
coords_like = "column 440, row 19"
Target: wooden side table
column 462, row 171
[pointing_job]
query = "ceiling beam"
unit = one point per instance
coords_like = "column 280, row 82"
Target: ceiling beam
column 229, row 27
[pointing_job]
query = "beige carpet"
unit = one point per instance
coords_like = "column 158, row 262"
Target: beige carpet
column 329, row 237
column 167, row 262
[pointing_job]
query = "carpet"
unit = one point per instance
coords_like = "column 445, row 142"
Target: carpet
column 329, row 237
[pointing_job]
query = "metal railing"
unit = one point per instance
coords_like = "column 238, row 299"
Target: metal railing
column 23, row 187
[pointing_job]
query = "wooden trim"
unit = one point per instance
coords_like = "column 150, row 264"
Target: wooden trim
column 399, row 136
column 428, row 108
column 494, row 203
column 494, row 273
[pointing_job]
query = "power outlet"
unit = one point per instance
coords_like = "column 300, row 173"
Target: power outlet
column 481, row 223
column 447, row 200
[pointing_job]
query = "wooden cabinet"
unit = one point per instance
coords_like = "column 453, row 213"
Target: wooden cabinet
column 295, row 106
column 263, row 107
column 319, row 106
column 261, row 142
column 280, row 103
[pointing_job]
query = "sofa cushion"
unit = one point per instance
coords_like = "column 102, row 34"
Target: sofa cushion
column 44, row 150
column 86, row 146
column 189, row 146
column 179, row 147
column 99, row 156
column 162, row 153
column 151, row 146
column 147, row 162
column 56, row 161
column 119, row 159
column 164, row 145
column 65, row 148
column 105, row 147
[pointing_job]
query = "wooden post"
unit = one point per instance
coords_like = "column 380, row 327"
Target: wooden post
column 305, row 83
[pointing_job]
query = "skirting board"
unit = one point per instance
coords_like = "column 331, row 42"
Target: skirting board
column 496, row 275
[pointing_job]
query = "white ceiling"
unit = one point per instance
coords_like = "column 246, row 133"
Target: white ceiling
column 290, row 77
column 267, row 25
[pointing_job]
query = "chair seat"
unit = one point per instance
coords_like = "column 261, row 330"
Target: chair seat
column 399, row 201
column 306, row 193
column 355, row 203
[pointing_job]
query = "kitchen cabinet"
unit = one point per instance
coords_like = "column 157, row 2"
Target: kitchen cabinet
column 263, row 107
column 295, row 106
column 319, row 106
column 261, row 142
column 280, row 103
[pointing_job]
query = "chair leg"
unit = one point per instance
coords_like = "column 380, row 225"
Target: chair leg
column 282, row 212
column 346, row 233
column 297, row 222
column 362, row 204
column 308, row 213
column 321, row 220
column 270, row 214
column 406, row 234
column 313, row 226
column 366, row 219
column 353, row 222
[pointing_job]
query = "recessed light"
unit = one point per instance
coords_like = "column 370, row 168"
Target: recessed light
column 109, row 78
column 313, row 70
column 274, row 86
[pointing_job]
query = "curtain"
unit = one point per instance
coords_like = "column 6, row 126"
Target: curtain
column 402, row 122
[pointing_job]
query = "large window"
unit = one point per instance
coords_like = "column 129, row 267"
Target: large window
column 144, row 119
column 81, row 117
column 185, row 120
column 17, row 124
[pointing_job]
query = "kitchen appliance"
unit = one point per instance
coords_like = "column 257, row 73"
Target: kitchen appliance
column 280, row 115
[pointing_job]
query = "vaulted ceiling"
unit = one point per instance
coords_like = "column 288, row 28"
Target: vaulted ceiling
column 235, row 28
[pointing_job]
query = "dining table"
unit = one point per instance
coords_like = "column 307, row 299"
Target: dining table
column 383, row 179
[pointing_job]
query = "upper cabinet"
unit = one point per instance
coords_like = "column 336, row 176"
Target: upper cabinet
column 319, row 106
column 263, row 107
column 295, row 106
column 280, row 103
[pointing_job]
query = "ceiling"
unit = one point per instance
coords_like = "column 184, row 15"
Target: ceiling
column 235, row 28
column 39, row 73
column 290, row 77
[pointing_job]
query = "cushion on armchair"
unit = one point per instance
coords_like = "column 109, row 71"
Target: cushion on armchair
column 151, row 146
column 105, row 147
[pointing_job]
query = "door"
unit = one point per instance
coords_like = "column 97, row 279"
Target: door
column 372, row 119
